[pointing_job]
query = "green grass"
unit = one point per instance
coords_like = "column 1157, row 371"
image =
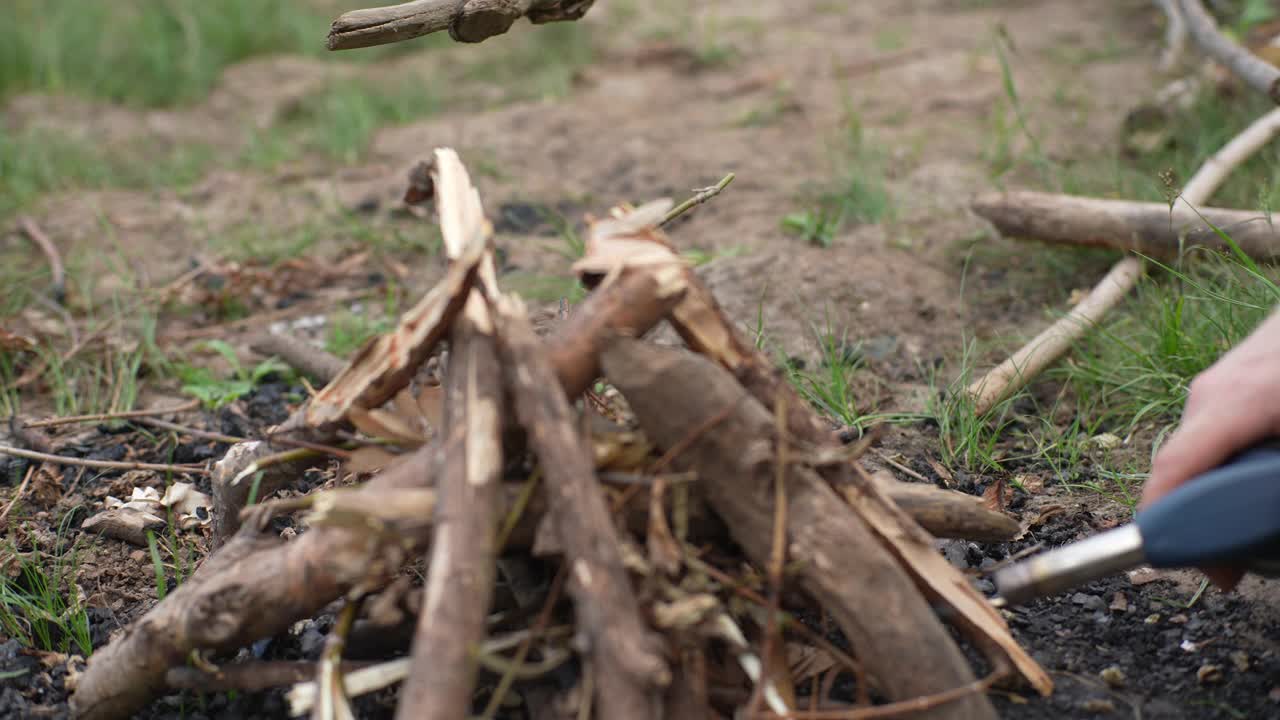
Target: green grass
column 856, row 192
column 37, row 161
column 349, row 331
column 151, row 53
column 1138, row 365
column 39, row 603
column 214, row 390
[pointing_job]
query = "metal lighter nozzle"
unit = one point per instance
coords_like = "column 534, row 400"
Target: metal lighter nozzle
column 1070, row 565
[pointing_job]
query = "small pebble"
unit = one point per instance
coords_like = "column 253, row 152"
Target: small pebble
column 1152, row 619
column 1107, row 441
column 1179, row 619
column 1240, row 659
column 1100, row 706
column 1119, row 603
column 1209, row 674
column 1089, row 602
column 1112, row 676
column 1274, row 695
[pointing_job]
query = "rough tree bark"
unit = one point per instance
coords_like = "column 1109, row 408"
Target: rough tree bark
column 470, row 21
column 899, row 639
column 628, row 661
column 460, row 577
column 1148, row 228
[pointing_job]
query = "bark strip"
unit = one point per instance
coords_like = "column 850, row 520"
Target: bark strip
column 841, row 563
column 629, row 666
column 460, row 578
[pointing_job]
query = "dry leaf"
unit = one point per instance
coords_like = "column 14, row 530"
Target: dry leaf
column 369, row 458
column 997, row 495
column 942, row 472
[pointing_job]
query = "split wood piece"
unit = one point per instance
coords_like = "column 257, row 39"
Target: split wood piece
column 300, row 355
column 676, row 395
column 632, row 305
column 469, row 21
column 1253, row 70
column 630, row 669
column 115, row 688
column 703, row 325
column 253, row 587
column 460, row 577
column 1148, row 228
column 1045, row 349
column 229, row 497
column 386, row 364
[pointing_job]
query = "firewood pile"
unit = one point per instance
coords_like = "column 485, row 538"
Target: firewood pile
column 579, row 523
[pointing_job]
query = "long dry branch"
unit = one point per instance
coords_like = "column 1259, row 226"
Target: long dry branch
column 1253, row 70
column 1045, row 349
column 675, row 393
column 460, row 577
column 466, row 20
column 630, row 669
column 1145, row 227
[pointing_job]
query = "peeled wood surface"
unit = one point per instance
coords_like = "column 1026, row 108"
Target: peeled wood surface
column 1148, row 228
column 460, row 574
column 841, row 563
column 466, row 20
column 630, row 669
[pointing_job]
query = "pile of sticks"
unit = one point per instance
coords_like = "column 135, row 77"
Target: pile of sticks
column 736, row 510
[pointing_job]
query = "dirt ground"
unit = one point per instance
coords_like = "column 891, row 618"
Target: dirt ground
column 653, row 118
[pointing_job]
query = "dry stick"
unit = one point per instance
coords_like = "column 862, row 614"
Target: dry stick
column 101, row 464
column 1014, row 373
column 460, row 578
column 50, row 422
column 300, row 355
column 466, row 21
column 902, row 708
column 1145, row 227
column 673, row 391
column 698, row 198
column 4, row 516
column 184, row 430
column 627, row 658
column 1254, row 71
column 56, row 269
column 704, row 327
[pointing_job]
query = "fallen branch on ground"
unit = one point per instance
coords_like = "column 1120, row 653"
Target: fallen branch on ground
column 469, row 21
column 1253, row 70
column 1014, row 373
column 1148, row 228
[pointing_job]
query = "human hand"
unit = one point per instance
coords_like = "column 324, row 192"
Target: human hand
column 1231, row 406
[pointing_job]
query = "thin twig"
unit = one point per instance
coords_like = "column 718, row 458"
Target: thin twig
column 50, row 422
column 777, row 560
column 698, row 198
column 104, row 464
column 539, row 624
column 4, row 516
column 184, row 430
column 56, row 269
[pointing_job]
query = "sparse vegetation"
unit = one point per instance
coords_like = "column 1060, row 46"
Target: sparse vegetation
column 856, row 193
column 40, row 604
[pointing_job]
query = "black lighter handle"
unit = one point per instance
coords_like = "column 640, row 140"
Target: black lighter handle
column 1229, row 515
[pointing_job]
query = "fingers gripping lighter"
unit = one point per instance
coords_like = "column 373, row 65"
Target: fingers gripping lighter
column 1227, row 516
